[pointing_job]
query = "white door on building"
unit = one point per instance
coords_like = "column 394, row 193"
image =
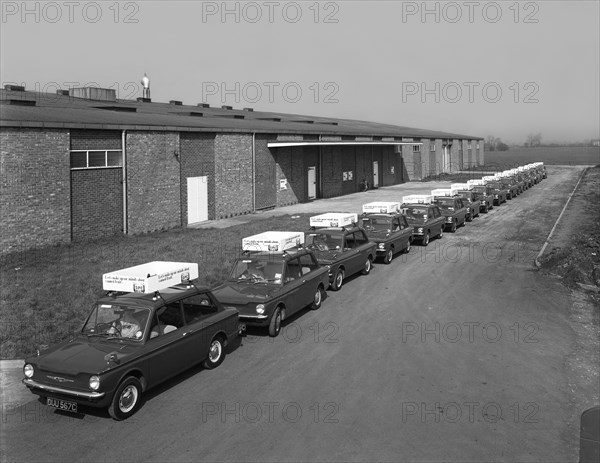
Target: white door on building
column 197, row 199
column 375, row 174
column 312, row 182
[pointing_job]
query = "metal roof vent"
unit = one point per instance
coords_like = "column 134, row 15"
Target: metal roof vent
column 94, row 93
column 203, row 105
column 249, row 109
column 176, row 102
column 226, row 107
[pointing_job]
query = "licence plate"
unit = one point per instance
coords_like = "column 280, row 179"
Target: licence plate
column 62, row 404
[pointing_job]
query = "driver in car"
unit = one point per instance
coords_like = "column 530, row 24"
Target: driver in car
column 128, row 326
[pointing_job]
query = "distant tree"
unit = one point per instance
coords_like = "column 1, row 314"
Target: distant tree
column 533, row 140
column 494, row 144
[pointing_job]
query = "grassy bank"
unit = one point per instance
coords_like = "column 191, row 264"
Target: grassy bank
column 47, row 293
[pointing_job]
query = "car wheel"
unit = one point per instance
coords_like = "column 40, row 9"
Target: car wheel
column 389, row 255
column 318, row 299
column 453, row 227
column 425, row 241
column 275, row 325
column 408, row 246
column 216, row 354
column 338, row 279
column 126, row 399
column 469, row 217
column 441, row 234
column 368, row 265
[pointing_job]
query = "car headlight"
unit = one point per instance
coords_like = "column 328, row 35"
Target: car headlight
column 260, row 308
column 28, row 370
column 419, row 230
column 381, row 245
column 94, row 382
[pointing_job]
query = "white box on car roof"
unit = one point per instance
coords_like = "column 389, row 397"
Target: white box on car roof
column 462, row 186
column 478, row 182
column 333, row 219
column 444, row 192
column 150, row 277
column 272, row 241
column 381, row 207
column 417, row 199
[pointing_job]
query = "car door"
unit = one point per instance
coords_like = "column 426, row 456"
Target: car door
column 463, row 210
column 435, row 215
column 202, row 320
column 405, row 231
column 309, row 280
column 168, row 344
column 292, row 283
column 355, row 259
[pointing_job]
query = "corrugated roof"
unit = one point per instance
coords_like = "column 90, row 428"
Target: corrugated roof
column 63, row 111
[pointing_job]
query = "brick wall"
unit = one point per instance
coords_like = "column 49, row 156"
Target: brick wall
column 34, row 188
column 153, row 173
column 197, row 157
column 96, row 203
column 331, row 175
column 290, row 167
column 233, row 154
column 95, row 139
column 265, row 173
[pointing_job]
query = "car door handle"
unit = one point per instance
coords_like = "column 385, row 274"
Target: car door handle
column 187, row 332
column 303, row 281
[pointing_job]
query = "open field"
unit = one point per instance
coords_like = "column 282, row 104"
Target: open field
column 567, row 156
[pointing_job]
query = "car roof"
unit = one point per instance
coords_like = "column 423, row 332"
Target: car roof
column 332, row 230
column 274, row 256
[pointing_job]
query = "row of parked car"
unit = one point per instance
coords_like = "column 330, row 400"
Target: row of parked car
column 154, row 322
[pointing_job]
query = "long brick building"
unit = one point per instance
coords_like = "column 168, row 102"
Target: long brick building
column 80, row 164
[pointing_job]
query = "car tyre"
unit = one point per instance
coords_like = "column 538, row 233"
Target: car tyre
column 408, row 246
column 453, row 227
column 425, row 241
column 126, row 399
column 368, row 266
column 216, row 353
column 275, row 324
column 338, row 280
column 389, row 255
column 441, row 234
column 318, row 298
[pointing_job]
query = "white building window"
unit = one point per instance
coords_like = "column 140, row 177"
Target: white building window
column 432, row 146
column 416, row 148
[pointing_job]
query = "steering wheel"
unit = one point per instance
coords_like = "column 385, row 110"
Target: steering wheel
column 322, row 247
column 115, row 328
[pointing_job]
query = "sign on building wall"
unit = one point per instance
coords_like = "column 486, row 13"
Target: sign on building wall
column 283, row 184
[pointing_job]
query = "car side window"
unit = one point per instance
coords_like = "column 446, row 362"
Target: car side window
column 168, row 318
column 403, row 223
column 360, row 238
column 308, row 263
column 198, row 307
column 293, row 270
column 348, row 241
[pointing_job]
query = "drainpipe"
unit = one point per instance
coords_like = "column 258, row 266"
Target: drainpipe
column 124, row 151
column 253, row 171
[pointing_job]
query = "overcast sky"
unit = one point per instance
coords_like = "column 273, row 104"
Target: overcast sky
column 479, row 68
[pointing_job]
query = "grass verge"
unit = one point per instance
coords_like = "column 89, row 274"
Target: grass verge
column 47, row 293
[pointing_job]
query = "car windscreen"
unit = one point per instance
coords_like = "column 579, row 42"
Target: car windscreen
column 415, row 214
column 445, row 203
column 325, row 241
column 117, row 321
column 377, row 224
column 258, row 269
